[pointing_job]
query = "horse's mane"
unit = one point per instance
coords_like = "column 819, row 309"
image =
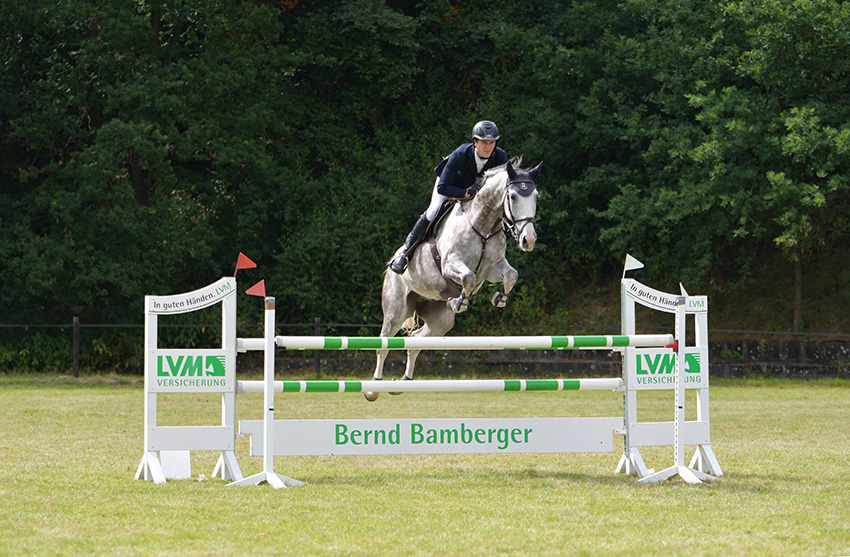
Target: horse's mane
column 515, row 162
column 491, row 185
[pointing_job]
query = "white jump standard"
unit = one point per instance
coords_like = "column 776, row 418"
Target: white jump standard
column 650, row 362
column 268, row 474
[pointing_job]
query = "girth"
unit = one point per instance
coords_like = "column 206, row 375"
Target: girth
column 452, row 289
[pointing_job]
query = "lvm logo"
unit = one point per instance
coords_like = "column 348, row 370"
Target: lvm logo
column 187, row 365
column 665, row 363
column 696, row 304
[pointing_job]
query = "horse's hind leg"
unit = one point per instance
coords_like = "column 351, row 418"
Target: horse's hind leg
column 398, row 306
column 438, row 320
column 387, row 330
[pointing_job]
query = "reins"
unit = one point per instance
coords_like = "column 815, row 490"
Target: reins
column 484, row 238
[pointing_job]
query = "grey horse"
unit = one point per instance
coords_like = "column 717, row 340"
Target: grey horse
column 467, row 249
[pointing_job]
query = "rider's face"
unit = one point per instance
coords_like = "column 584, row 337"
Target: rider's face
column 484, row 147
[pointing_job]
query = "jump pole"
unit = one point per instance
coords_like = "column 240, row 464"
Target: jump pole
column 567, row 342
column 436, row 386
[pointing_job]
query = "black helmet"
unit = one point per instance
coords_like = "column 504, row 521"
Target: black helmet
column 485, row 129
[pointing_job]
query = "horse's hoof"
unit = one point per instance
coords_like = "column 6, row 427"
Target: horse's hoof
column 460, row 304
column 403, row 378
column 499, row 299
column 370, row 396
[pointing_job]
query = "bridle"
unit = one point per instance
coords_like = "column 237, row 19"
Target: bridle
column 524, row 186
column 521, row 184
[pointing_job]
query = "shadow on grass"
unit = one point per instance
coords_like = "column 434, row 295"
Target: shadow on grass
column 514, row 476
column 752, row 483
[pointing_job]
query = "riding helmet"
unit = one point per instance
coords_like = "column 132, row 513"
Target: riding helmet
column 485, row 129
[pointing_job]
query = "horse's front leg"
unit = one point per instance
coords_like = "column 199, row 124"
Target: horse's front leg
column 456, row 270
column 503, row 273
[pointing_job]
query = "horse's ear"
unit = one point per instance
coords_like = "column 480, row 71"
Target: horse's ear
column 511, row 171
column 534, row 171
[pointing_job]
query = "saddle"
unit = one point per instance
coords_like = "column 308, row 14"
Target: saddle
column 444, row 210
column 453, row 289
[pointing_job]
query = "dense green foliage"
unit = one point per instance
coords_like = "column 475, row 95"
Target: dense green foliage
column 145, row 144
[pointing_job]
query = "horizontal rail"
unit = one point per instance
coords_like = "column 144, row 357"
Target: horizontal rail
column 436, row 386
column 250, row 344
column 598, row 342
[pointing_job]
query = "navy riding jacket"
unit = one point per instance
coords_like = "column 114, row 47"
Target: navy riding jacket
column 457, row 172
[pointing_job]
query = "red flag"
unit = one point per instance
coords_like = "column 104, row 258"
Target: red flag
column 258, row 289
column 243, row 263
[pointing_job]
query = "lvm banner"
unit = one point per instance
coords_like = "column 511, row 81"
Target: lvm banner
column 193, row 371
column 655, row 368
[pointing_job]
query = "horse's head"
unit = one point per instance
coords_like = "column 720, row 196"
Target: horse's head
column 520, row 205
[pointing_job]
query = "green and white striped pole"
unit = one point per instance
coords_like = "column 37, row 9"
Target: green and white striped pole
column 590, row 342
column 436, row 386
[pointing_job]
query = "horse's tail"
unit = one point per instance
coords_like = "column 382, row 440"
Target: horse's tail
column 410, row 324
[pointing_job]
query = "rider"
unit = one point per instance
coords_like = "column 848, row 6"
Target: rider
column 460, row 175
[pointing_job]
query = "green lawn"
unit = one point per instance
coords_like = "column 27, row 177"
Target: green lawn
column 69, row 451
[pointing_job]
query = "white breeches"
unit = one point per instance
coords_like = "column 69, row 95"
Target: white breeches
column 436, row 203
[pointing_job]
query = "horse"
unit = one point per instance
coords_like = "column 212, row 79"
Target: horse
column 467, row 248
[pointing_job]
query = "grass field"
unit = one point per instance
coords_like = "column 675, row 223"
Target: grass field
column 69, row 451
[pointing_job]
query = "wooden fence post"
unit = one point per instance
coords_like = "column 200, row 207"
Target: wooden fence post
column 76, row 346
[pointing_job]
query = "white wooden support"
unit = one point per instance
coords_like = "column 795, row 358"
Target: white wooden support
column 176, row 465
column 703, row 459
column 150, row 468
column 686, row 473
column 631, row 462
column 227, row 468
column 167, row 448
column 268, row 474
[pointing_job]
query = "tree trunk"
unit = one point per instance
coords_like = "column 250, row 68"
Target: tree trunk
column 798, row 295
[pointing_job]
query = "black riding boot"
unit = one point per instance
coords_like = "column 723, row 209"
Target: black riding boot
column 399, row 264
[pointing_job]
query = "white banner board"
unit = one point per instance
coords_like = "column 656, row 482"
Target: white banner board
column 192, row 301
column 436, row 436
